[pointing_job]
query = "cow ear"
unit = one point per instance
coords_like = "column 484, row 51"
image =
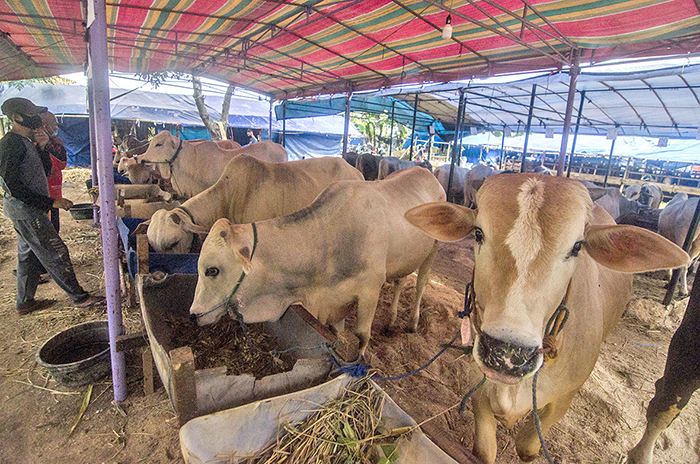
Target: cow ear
column 597, row 192
column 627, row 248
column 442, row 220
column 141, row 228
column 242, row 241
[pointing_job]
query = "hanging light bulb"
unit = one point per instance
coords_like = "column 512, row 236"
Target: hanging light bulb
column 447, row 30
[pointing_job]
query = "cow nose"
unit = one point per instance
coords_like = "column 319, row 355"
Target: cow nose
column 193, row 318
column 507, row 358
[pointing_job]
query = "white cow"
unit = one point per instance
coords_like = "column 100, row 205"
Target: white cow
column 540, row 244
column 648, row 195
column 194, row 167
column 442, row 174
column 248, row 190
column 674, row 223
column 334, row 253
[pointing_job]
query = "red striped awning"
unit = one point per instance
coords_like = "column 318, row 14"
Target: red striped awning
column 288, row 48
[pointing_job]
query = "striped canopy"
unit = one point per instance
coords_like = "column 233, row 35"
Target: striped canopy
column 291, row 48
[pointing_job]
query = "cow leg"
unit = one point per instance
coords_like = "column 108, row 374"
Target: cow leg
column 527, row 443
column 421, row 282
column 366, row 307
column 683, row 284
column 398, row 287
column 680, row 380
column 485, row 444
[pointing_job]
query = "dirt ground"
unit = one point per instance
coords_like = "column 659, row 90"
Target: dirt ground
column 605, row 421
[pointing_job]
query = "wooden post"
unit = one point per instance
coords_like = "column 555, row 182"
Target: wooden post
column 142, row 254
column 184, row 386
column 573, row 78
column 147, row 360
column 573, row 144
column 527, row 128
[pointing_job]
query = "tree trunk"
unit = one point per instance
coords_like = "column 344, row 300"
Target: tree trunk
column 209, row 123
column 226, row 105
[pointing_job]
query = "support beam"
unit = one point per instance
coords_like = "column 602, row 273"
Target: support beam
column 527, row 127
column 458, row 134
column 99, row 72
column 607, row 171
column 578, row 124
column 413, row 127
column 573, row 79
column 391, row 136
column 284, row 123
column 502, row 157
column 269, row 131
column 93, row 146
column 346, row 125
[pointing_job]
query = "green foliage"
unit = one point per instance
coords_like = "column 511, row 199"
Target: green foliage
column 376, row 128
column 19, row 85
column 157, row 79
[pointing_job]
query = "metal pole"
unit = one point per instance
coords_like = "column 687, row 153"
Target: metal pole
column 502, row 157
column 607, row 171
column 460, row 108
column 346, row 128
column 391, row 136
column 98, row 66
column 93, row 146
column 431, row 142
column 686, row 247
column 573, row 79
column 269, row 131
column 527, row 127
column 578, row 123
column 284, row 123
column 413, row 128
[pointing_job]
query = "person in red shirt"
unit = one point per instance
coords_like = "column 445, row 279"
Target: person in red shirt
column 58, row 155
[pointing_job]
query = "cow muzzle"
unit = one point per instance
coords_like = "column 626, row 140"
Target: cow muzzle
column 504, row 361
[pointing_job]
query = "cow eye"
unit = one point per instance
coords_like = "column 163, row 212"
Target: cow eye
column 575, row 250
column 159, row 144
column 211, row 272
column 479, row 235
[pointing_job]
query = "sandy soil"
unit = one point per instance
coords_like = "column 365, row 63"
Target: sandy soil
column 606, row 418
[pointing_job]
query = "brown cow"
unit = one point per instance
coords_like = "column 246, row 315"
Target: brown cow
column 248, row 190
column 541, row 245
column 334, row 253
column 194, row 167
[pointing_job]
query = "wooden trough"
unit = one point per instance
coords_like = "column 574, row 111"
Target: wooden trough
column 197, row 392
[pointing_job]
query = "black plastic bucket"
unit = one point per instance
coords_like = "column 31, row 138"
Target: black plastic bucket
column 78, row 355
column 82, row 211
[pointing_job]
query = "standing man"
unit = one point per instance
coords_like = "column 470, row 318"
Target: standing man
column 24, row 168
column 251, row 137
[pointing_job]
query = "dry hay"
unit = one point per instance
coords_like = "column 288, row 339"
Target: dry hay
column 225, row 344
column 342, row 431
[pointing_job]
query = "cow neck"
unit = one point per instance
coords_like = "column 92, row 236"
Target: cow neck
column 226, row 303
column 554, row 325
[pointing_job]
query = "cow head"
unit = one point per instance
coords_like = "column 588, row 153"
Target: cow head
column 531, row 231
column 223, row 263
column 172, row 231
column 161, row 150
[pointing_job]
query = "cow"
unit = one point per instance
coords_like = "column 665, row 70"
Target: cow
column 473, row 181
column 614, row 202
column 389, row 164
column 334, row 253
column 680, row 380
column 368, row 165
column 194, row 167
column 541, row 246
column 674, row 223
column 248, row 190
column 137, row 173
column 648, row 195
column 457, row 193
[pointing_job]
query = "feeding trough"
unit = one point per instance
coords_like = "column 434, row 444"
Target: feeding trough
column 78, row 355
column 81, row 211
column 197, row 391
